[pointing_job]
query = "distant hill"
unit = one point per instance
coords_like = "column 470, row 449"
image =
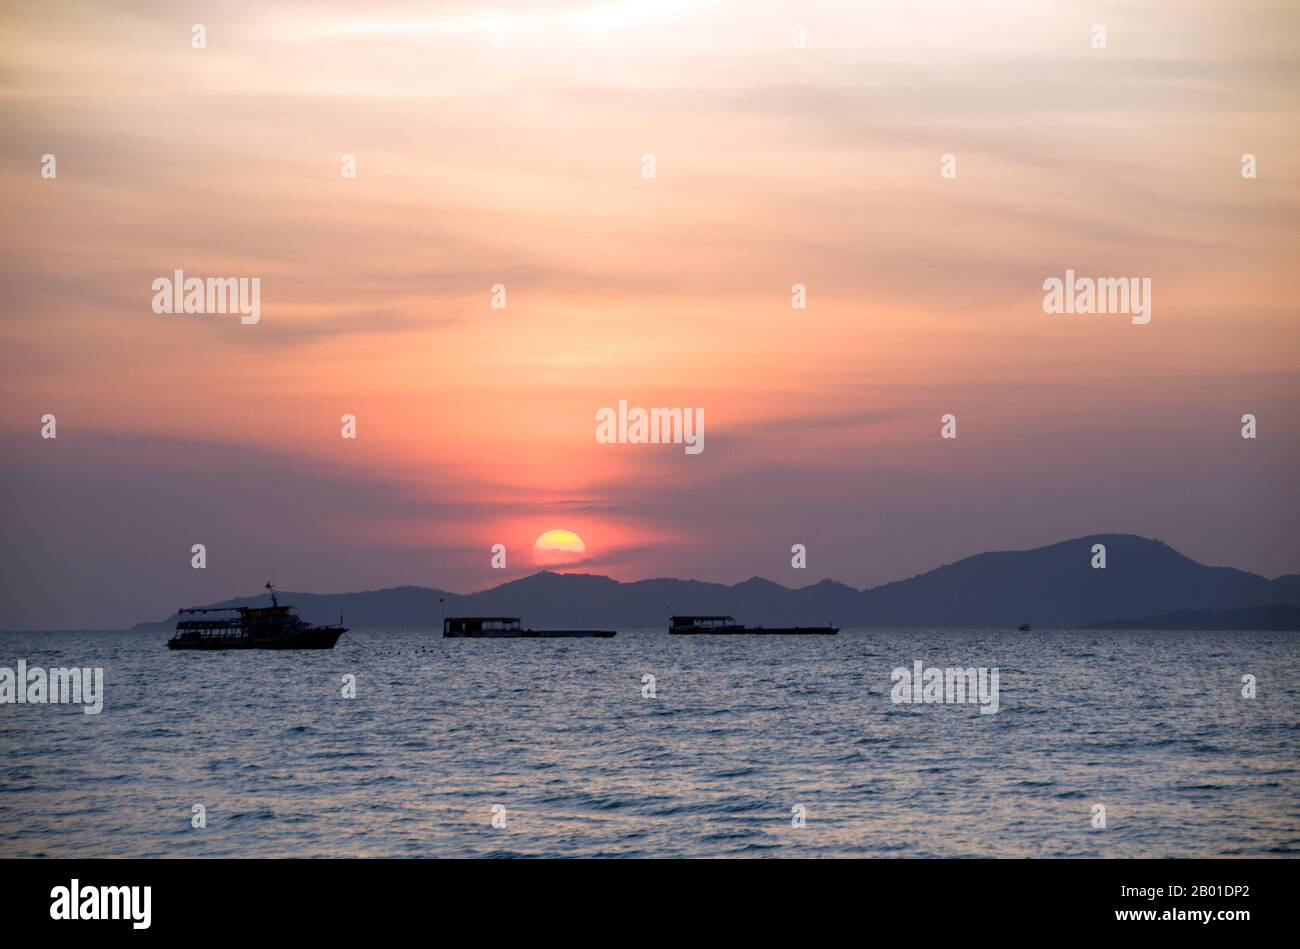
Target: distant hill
column 1053, row 586
column 1275, row 617
column 1056, row 586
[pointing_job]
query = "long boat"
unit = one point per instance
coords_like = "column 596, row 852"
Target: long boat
column 727, row 626
column 510, row 627
column 250, row 627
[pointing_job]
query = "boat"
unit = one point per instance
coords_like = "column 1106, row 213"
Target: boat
column 510, row 627
column 251, row 627
column 727, row 626
column 1023, row 627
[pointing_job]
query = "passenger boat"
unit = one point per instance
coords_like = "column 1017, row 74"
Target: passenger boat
column 508, row 627
column 727, row 626
column 251, row 627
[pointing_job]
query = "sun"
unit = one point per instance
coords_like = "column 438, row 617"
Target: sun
column 557, row 547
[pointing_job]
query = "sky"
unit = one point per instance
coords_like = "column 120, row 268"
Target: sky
column 506, row 144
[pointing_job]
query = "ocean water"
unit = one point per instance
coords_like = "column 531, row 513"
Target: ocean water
column 742, row 730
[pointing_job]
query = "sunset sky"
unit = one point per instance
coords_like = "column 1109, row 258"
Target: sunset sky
column 502, row 143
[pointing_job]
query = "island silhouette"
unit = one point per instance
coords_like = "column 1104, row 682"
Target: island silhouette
column 1145, row 584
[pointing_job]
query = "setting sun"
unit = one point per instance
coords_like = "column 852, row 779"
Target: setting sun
column 558, row 546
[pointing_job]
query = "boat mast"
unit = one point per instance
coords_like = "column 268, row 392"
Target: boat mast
column 274, row 602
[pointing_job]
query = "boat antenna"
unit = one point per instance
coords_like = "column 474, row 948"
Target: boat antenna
column 442, row 608
column 274, row 602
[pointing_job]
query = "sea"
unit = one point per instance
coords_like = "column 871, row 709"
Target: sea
column 398, row 743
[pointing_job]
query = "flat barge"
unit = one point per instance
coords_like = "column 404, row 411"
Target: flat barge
column 727, row 626
column 510, row 627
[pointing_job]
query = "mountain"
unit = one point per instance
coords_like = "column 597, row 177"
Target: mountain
column 1052, row 587
column 1057, row 586
column 1275, row 617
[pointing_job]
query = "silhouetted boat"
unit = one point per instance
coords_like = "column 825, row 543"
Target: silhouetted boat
column 727, row 626
column 508, row 627
column 1023, row 627
column 266, row 627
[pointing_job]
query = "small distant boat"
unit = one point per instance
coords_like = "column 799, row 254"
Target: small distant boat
column 727, row 626
column 1023, row 627
column 509, row 627
column 267, row 627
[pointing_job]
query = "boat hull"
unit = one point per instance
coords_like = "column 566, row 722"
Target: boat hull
column 757, row 631
column 532, row 634
column 318, row 637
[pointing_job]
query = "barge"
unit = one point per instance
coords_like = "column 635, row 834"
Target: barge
column 510, row 627
column 727, row 626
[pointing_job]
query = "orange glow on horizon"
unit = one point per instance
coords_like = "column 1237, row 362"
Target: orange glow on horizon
column 507, row 149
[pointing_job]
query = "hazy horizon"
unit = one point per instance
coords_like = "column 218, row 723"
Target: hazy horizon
column 795, row 584
column 1085, row 552
column 505, row 145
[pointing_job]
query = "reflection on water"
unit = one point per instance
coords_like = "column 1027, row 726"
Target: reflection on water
column 1152, row 725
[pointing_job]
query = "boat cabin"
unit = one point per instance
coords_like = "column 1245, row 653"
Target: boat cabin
column 471, row 625
column 703, row 622
column 218, row 622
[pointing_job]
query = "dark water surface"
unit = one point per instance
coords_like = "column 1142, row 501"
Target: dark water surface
column 1152, row 725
